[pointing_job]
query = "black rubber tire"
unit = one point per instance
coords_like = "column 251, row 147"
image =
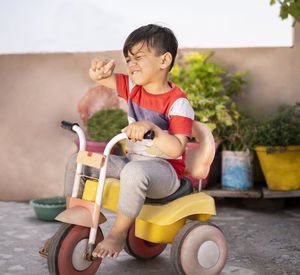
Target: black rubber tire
column 140, row 248
column 62, row 246
column 186, row 246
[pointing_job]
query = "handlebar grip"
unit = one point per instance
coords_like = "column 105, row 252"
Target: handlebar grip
column 149, row 135
column 68, row 125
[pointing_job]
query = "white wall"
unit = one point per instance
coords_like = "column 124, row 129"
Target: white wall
column 32, row 26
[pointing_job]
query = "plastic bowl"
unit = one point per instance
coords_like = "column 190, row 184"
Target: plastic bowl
column 48, row 209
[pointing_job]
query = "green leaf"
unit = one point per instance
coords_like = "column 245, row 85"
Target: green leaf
column 288, row 7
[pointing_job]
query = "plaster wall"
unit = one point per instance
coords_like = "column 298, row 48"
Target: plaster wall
column 39, row 90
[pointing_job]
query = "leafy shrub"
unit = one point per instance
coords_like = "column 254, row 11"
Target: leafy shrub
column 209, row 88
column 239, row 135
column 281, row 129
column 105, row 124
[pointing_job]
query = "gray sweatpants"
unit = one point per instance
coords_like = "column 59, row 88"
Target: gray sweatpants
column 140, row 177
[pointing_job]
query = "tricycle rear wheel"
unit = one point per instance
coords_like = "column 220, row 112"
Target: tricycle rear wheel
column 140, row 248
column 199, row 248
column 65, row 254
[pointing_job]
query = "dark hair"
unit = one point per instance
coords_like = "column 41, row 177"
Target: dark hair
column 160, row 38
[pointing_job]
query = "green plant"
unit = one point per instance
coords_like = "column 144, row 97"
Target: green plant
column 105, row 124
column 289, row 7
column 281, row 129
column 237, row 136
column 209, row 88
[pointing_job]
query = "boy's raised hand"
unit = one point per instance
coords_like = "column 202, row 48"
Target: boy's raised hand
column 101, row 68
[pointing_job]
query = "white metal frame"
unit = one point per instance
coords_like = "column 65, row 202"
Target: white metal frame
column 102, row 173
column 102, row 177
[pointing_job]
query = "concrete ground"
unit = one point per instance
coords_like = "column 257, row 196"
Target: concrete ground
column 259, row 241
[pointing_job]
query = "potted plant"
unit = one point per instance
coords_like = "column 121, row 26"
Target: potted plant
column 237, row 159
column 209, row 88
column 276, row 140
column 103, row 126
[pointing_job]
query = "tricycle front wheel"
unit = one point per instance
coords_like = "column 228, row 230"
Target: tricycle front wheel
column 67, row 249
column 199, row 248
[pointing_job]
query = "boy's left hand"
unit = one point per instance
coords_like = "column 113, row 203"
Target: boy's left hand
column 136, row 130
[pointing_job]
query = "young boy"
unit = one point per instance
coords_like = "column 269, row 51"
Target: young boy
column 154, row 104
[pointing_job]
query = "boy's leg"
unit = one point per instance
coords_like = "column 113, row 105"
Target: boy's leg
column 153, row 178
column 145, row 178
column 70, row 171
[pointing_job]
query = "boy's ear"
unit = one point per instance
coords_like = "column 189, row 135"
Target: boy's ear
column 166, row 60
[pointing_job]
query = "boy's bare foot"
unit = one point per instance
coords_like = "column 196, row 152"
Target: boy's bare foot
column 110, row 246
column 115, row 241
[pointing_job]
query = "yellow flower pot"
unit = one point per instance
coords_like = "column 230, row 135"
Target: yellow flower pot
column 281, row 168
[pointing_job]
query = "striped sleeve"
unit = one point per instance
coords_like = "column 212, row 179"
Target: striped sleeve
column 124, row 86
column 181, row 116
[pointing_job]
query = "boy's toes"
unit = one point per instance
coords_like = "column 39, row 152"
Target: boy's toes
column 115, row 254
column 104, row 254
column 111, row 254
column 94, row 254
column 97, row 252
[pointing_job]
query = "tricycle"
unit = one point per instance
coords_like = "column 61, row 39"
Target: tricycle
column 181, row 219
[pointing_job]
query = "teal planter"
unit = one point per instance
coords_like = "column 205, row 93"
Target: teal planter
column 48, row 209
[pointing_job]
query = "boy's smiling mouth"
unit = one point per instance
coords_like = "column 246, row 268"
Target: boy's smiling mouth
column 133, row 72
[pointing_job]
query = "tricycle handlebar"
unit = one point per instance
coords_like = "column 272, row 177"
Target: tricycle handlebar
column 68, row 125
column 149, row 135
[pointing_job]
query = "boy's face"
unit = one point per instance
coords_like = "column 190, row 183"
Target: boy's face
column 143, row 64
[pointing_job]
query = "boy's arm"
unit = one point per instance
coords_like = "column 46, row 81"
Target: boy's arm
column 171, row 145
column 101, row 71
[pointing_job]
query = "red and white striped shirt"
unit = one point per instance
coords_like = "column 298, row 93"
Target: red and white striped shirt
column 170, row 111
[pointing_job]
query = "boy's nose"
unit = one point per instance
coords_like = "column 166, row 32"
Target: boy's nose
column 131, row 63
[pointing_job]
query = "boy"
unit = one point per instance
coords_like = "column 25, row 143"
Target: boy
column 153, row 104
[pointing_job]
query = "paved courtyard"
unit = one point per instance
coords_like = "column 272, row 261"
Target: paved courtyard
column 259, row 241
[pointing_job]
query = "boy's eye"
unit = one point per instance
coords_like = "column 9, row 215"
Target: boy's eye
column 135, row 57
